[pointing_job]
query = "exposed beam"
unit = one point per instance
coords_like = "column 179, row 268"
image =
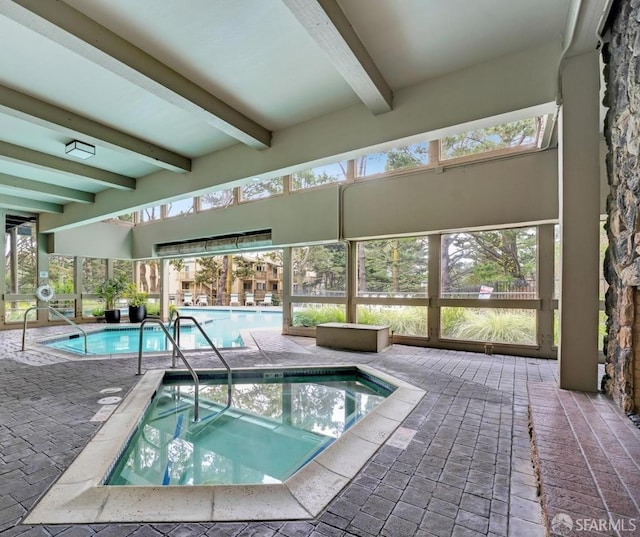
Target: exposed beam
column 327, row 24
column 42, row 113
column 27, row 185
column 70, row 28
column 26, row 204
column 524, row 82
column 22, row 155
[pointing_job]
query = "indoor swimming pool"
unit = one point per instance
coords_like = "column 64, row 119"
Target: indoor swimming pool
column 222, row 326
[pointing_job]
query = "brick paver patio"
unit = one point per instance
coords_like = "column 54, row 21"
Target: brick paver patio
column 467, row 471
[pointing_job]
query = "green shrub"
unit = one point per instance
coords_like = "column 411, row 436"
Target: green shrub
column 499, row 326
column 406, row 321
column 450, row 318
column 17, row 314
column 312, row 316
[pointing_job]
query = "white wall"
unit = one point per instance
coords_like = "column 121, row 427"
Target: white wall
column 101, row 240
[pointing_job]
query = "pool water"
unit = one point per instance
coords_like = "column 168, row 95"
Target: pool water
column 277, row 423
column 222, row 326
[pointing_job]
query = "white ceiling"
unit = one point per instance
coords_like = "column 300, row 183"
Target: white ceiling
column 141, row 73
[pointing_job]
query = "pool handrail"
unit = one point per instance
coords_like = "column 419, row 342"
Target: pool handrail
column 194, row 375
column 176, row 332
column 176, row 336
column 171, row 314
column 53, row 310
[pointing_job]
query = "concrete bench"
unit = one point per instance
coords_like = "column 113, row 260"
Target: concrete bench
column 356, row 337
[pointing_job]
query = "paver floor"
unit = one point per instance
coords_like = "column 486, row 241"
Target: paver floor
column 467, row 471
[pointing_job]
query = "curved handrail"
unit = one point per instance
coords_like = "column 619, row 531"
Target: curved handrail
column 194, row 375
column 65, row 319
column 176, row 334
column 179, row 320
column 171, row 313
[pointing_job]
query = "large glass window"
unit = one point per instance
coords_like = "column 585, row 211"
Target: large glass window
column 20, row 259
column 489, row 325
column 180, row 207
column 150, row 213
column 520, row 135
column 393, row 268
column 322, row 175
column 402, row 320
column 63, row 307
column 21, row 270
column 61, row 274
column 310, row 315
column 217, row 199
column 94, row 272
column 319, row 270
column 148, row 275
column 261, row 188
column 400, row 158
column 489, row 264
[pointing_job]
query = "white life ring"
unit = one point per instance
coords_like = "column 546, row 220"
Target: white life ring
column 44, row 293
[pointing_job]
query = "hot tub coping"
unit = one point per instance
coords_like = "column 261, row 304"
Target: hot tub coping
column 79, row 496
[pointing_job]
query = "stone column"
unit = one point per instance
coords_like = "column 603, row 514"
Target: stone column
column 621, row 55
column 579, row 183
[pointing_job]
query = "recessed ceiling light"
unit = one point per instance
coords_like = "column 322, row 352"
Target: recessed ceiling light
column 80, row 149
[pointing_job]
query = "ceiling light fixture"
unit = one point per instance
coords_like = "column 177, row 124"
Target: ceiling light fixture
column 80, row 149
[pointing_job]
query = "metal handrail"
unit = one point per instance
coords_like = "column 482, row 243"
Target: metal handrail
column 194, row 375
column 177, row 313
column 65, row 319
column 176, row 330
column 176, row 335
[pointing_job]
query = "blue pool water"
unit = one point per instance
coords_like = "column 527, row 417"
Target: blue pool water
column 278, row 421
column 222, row 326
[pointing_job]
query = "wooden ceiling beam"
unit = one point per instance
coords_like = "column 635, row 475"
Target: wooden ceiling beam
column 329, row 27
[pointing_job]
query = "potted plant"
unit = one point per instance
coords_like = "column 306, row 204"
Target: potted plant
column 137, row 303
column 110, row 290
column 98, row 314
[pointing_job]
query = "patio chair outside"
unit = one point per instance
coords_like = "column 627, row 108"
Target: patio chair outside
column 233, row 300
column 249, row 300
column 268, row 300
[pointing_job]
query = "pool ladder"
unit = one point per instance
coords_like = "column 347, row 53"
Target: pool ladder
column 56, row 312
column 175, row 343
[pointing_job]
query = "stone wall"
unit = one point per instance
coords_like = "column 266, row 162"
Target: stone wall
column 621, row 55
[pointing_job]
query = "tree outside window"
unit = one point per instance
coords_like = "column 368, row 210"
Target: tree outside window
column 522, row 134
